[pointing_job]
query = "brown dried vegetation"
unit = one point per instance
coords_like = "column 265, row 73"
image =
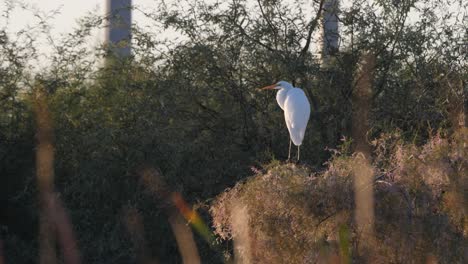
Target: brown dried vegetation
column 420, row 206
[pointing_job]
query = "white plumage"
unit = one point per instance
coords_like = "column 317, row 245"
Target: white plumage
column 296, row 109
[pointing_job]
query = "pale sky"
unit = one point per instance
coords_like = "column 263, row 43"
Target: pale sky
column 62, row 22
column 71, row 10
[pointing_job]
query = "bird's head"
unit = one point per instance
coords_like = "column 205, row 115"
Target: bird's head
column 278, row 86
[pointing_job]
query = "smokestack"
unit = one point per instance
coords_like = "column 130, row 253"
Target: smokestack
column 118, row 33
column 330, row 34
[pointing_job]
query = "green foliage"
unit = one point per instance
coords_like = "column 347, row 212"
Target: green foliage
column 190, row 107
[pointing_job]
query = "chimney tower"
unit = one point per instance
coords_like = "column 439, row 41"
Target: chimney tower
column 118, row 31
column 330, row 33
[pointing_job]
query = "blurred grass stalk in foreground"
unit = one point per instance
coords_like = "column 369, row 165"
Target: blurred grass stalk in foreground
column 241, row 233
column 362, row 170
column 135, row 227
column 54, row 222
column 172, row 201
column 44, row 174
column 2, row 260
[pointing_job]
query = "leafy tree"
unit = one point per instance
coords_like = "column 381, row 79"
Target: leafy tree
column 190, row 106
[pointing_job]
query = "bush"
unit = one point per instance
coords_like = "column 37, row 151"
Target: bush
column 420, row 206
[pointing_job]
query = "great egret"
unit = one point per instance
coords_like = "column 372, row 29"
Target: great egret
column 296, row 109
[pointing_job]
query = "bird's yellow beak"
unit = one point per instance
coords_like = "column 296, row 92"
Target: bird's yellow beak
column 269, row 87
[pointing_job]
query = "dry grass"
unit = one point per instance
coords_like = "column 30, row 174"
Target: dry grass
column 420, row 201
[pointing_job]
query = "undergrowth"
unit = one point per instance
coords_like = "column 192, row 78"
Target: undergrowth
column 420, row 200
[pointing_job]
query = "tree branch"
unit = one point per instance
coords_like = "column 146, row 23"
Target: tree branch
column 312, row 25
column 272, row 27
column 242, row 31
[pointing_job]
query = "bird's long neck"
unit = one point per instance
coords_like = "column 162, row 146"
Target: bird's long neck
column 281, row 96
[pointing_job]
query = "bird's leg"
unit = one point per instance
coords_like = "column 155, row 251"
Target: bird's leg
column 298, row 152
column 289, row 155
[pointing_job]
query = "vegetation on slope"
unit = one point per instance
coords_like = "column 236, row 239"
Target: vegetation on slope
column 303, row 216
column 190, row 108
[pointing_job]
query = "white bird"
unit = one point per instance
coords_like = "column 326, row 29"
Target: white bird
column 296, row 109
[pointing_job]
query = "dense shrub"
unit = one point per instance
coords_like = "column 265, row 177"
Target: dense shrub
column 189, row 106
column 420, row 206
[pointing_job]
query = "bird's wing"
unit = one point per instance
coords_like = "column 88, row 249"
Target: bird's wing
column 296, row 113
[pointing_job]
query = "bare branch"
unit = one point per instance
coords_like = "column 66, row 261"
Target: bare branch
column 312, row 25
column 273, row 28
